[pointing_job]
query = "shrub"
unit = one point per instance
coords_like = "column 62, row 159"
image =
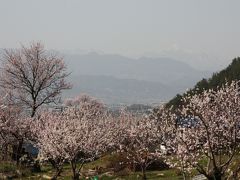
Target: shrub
column 118, row 162
column 7, row 167
column 124, row 172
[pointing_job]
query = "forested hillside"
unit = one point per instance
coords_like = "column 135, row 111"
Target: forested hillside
column 232, row 72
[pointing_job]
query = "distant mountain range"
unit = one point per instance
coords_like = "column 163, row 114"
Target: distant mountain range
column 117, row 79
column 114, row 90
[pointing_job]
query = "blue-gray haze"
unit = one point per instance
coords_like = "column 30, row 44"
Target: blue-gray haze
column 144, row 50
column 128, row 27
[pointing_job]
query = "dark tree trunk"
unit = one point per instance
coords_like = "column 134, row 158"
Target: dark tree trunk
column 57, row 166
column 17, row 151
column 216, row 175
column 184, row 175
column 36, row 166
column 58, row 172
column 33, row 112
column 144, row 176
column 74, row 170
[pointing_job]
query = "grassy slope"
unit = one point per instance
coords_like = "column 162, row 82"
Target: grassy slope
column 47, row 172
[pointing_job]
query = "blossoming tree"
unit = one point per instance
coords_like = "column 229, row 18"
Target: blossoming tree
column 140, row 138
column 14, row 130
column 209, row 129
column 33, row 76
column 78, row 134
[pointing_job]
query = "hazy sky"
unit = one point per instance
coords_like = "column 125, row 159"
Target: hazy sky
column 127, row 27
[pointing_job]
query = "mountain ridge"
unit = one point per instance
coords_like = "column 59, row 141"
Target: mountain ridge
column 218, row 79
column 163, row 77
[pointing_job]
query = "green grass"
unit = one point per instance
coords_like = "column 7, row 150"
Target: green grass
column 48, row 171
column 10, row 168
column 151, row 175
